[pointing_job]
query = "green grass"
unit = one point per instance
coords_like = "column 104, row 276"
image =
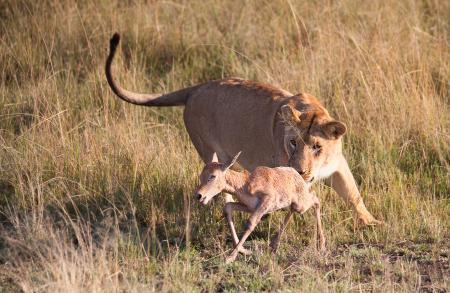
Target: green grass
column 95, row 194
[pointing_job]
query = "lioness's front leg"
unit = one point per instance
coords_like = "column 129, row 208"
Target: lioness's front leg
column 344, row 184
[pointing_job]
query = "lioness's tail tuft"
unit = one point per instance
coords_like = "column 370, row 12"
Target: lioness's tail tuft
column 115, row 39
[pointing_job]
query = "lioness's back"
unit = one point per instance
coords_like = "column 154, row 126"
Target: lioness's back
column 228, row 114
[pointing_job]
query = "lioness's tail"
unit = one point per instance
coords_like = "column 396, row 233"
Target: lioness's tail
column 176, row 98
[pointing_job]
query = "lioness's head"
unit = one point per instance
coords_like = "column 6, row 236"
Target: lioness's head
column 312, row 139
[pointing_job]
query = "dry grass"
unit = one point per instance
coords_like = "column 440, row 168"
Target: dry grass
column 95, row 193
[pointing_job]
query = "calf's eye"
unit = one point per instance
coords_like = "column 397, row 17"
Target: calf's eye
column 293, row 143
column 211, row 177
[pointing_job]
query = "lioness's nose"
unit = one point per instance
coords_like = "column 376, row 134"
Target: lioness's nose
column 198, row 196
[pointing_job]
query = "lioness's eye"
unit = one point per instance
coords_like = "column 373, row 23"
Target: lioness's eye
column 211, row 177
column 293, row 143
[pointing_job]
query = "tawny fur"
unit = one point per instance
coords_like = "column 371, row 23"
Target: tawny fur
column 271, row 126
column 263, row 191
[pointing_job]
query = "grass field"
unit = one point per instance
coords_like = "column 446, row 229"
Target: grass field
column 96, row 194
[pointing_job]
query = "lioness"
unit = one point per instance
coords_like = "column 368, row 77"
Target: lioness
column 271, row 127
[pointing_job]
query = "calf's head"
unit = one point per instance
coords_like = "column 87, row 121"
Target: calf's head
column 212, row 179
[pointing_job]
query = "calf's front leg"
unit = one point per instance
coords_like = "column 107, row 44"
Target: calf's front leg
column 255, row 218
column 228, row 210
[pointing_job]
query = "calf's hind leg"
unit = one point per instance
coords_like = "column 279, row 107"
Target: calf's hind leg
column 313, row 201
column 275, row 241
column 320, row 235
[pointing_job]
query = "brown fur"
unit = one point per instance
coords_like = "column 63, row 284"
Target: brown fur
column 271, row 126
column 263, row 191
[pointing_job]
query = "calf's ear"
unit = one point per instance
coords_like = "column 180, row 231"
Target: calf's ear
column 231, row 163
column 334, row 129
column 215, row 159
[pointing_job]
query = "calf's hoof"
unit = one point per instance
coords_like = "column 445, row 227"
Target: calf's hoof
column 231, row 258
column 245, row 251
column 274, row 245
column 322, row 249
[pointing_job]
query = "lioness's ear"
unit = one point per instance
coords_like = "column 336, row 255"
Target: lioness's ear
column 334, row 129
column 215, row 159
column 290, row 114
column 231, row 163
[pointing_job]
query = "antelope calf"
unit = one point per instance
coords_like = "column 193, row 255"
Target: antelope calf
column 263, row 191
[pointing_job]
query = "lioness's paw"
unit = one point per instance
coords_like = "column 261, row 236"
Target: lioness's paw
column 368, row 220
